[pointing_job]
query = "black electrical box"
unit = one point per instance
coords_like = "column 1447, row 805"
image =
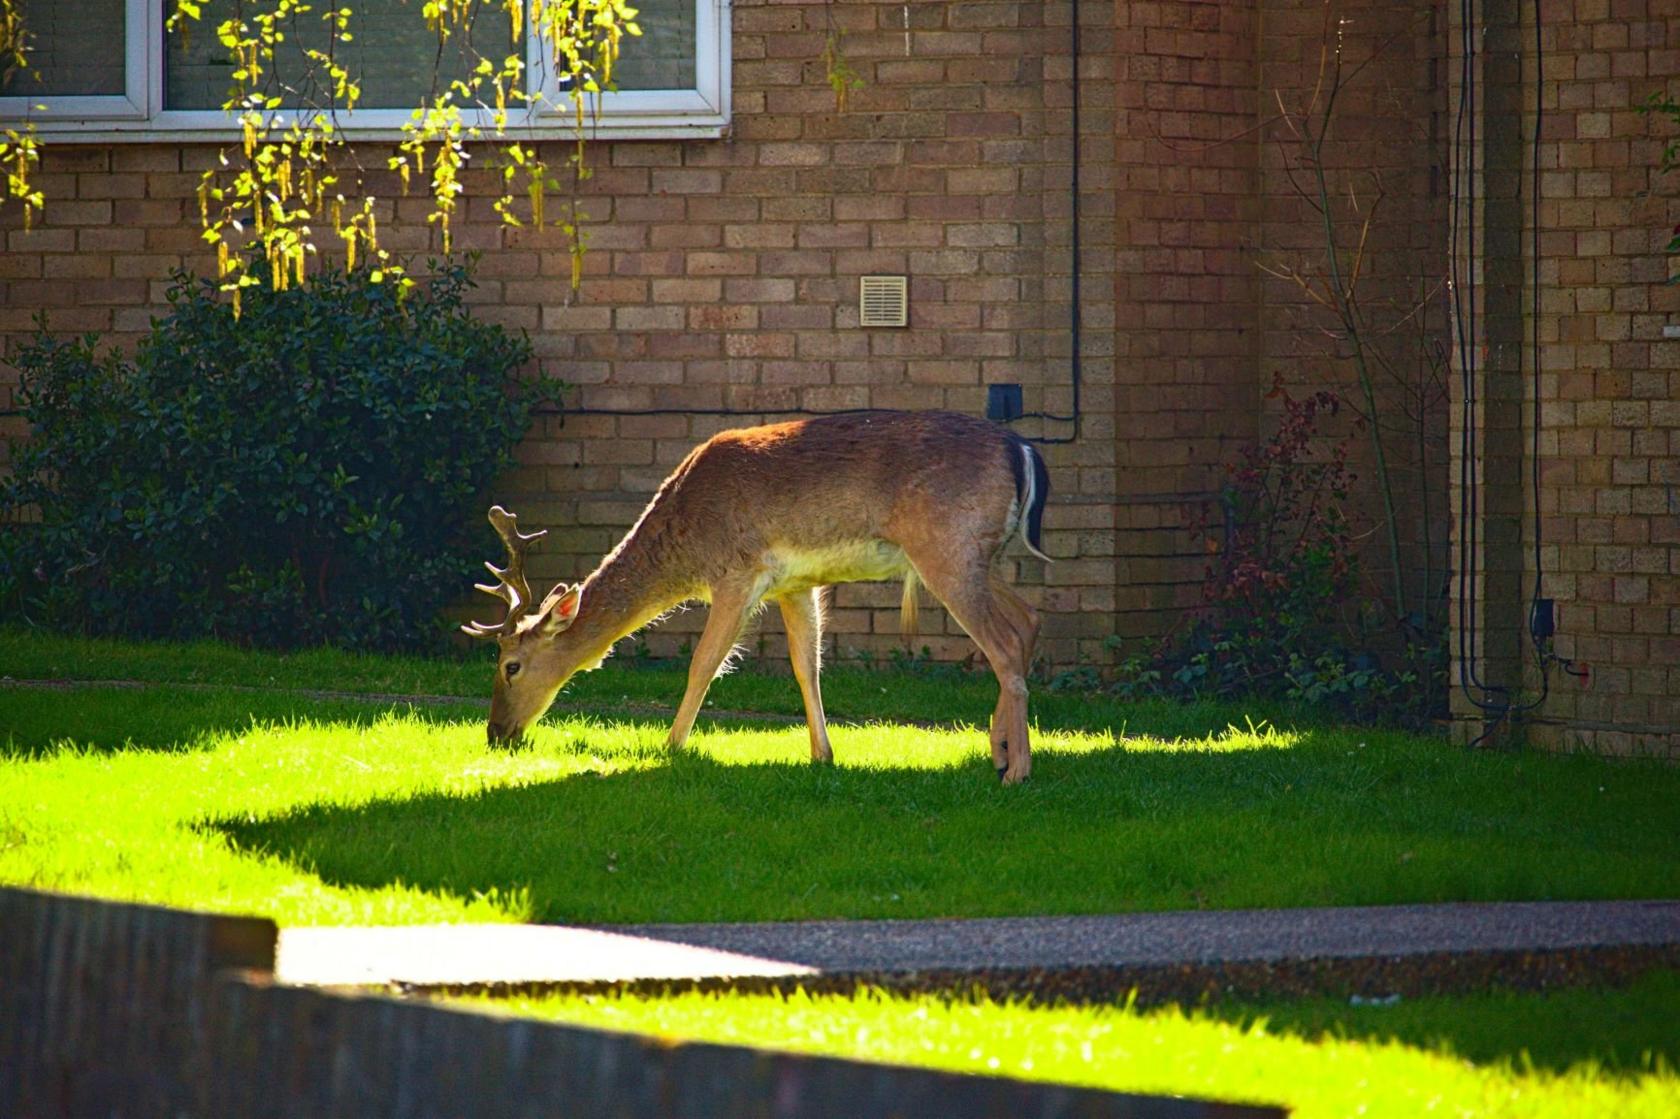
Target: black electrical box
column 1003, row 403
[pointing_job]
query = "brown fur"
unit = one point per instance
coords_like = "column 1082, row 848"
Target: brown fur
column 841, row 495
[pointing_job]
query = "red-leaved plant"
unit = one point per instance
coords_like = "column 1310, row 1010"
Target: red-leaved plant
column 1281, row 530
column 1279, row 615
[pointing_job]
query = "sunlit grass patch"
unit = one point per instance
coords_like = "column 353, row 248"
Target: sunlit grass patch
column 1602, row 1052
column 137, row 824
column 1252, row 735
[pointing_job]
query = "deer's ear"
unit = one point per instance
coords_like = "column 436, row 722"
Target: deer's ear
column 560, row 608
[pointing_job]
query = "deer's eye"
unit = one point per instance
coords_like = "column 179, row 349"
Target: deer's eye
column 512, row 669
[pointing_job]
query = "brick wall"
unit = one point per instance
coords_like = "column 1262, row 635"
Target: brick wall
column 723, row 275
column 1214, row 189
column 1185, row 299
column 1609, row 451
column 1381, row 63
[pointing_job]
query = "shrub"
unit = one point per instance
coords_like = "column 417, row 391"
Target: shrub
column 1282, row 563
column 306, row 473
column 1282, row 616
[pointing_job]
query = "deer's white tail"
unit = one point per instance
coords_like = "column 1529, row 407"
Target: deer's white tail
column 1032, row 484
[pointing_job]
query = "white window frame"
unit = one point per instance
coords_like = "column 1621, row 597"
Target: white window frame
column 607, row 113
column 139, row 115
column 51, row 113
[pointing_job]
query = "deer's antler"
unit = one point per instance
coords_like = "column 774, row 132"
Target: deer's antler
column 510, row 585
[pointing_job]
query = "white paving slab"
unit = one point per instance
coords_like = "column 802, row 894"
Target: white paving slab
column 441, row 955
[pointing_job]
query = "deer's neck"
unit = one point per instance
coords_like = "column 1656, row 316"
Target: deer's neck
column 633, row 586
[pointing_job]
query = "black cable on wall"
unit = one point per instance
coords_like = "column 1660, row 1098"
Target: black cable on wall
column 1074, row 270
column 1494, row 700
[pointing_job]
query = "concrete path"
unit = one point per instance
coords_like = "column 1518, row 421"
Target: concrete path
column 1065, row 955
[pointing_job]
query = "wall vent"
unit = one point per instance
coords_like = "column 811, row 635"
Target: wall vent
column 884, row 301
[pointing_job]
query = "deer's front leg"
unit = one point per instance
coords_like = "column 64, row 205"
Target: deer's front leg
column 802, row 615
column 728, row 616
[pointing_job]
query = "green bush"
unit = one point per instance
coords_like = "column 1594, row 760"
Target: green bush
column 311, row 472
column 1284, row 615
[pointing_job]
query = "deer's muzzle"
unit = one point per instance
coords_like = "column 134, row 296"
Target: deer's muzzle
column 502, row 735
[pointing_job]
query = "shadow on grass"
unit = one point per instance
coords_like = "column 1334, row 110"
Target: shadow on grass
column 1629, row 1030
column 104, row 718
column 1108, row 830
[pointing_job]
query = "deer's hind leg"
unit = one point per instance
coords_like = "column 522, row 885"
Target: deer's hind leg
column 1011, row 750
column 1022, row 616
column 1006, row 630
column 802, row 615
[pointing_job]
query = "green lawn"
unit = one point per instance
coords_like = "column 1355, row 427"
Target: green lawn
column 324, row 810
column 1567, row 1054
column 227, row 782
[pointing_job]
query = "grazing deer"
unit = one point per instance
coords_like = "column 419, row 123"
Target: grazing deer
column 779, row 512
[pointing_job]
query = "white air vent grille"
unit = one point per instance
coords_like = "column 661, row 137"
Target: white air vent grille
column 884, row 301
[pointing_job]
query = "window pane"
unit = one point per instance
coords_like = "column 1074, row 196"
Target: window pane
column 77, row 50
column 662, row 57
column 392, row 53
